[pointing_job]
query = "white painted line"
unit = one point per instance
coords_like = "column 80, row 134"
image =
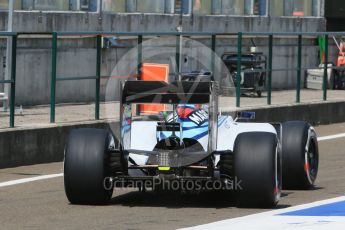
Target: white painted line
column 340, row 135
column 31, row 179
column 270, row 220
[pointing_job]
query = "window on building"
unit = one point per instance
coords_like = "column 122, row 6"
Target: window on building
column 4, row 5
column 62, row 5
column 182, row 5
column 150, row 6
column 114, row 6
column 233, row 7
column 239, row 7
column 301, row 8
column 276, row 8
column 298, row 8
column 260, row 7
column 178, row 6
column 202, row 7
column 53, row 5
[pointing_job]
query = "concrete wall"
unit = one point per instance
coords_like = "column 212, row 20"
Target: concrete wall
column 77, row 57
column 47, row 21
column 33, row 146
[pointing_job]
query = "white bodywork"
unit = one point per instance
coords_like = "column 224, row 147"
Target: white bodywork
column 143, row 136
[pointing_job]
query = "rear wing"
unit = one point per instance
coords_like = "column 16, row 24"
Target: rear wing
column 160, row 92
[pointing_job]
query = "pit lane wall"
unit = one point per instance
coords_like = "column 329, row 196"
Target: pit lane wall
column 25, row 146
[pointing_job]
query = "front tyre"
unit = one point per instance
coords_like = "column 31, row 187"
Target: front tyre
column 257, row 165
column 86, row 166
column 300, row 155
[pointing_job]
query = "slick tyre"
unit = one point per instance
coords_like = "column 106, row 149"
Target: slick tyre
column 86, row 166
column 257, row 165
column 300, row 155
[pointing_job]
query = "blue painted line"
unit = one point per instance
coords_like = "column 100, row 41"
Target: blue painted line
column 333, row 209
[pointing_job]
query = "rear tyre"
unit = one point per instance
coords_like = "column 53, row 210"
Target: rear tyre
column 300, row 155
column 257, row 165
column 87, row 165
column 225, row 165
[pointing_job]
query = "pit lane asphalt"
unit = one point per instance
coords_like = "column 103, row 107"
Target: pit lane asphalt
column 43, row 205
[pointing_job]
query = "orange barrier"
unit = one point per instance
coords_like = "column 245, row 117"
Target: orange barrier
column 154, row 72
column 341, row 57
column 298, row 13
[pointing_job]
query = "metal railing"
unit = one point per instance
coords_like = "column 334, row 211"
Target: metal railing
column 12, row 80
column 98, row 36
column 140, row 35
column 55, row 78
column 270, row 69
column 213, row 37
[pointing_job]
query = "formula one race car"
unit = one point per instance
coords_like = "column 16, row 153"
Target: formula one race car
column 192, row 147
